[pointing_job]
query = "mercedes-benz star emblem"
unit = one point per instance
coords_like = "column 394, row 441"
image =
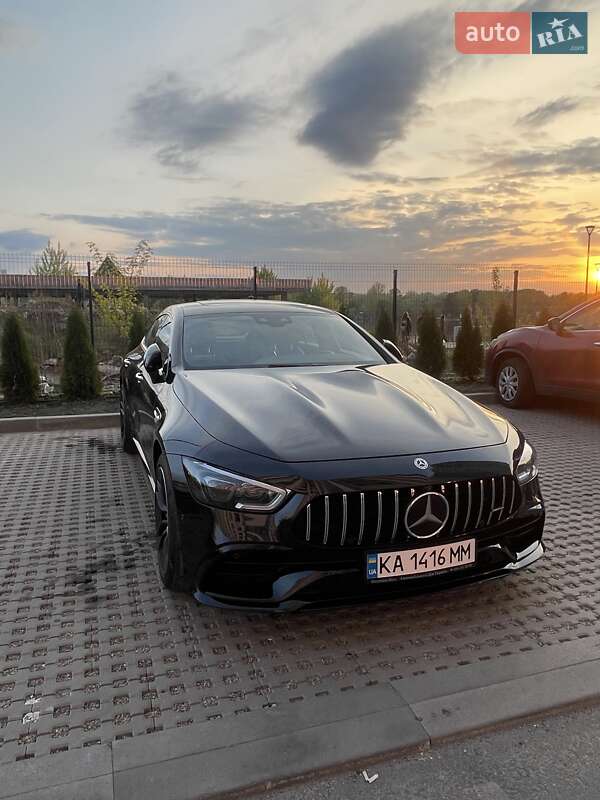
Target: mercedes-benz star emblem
column 426, row 515
column 421, row 463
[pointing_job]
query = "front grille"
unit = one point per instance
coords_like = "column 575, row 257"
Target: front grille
column 363, row 519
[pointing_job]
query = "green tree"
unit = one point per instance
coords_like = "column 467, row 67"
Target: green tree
column 137, row 328
column 496, row 280
column 109, row 268
column 109, row 265
column 266, row 274
column 431, row 353
column 468, row 353
column 374, row 297
column 118, row 300
column 116, row 305
column 384, row 328
column 80, row 378
column 322, row 293
column 19, row 377
column 503, row 320
column 54, row 261
column 136, row 263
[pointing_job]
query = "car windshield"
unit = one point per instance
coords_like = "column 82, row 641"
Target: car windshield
column 273, row 339
column 587, row 319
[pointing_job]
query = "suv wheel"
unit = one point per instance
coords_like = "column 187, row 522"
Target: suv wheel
column 514, row 383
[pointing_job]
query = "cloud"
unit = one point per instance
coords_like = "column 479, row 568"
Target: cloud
column 366, row 96
column 183, row 122
column 10, row 34
column 256, row 40
column 22, row 239
column 234, row 228
column 16, row 36
column 5, row 32
column 378, row 226
column 549, row 111
column 578, row 158
column 533, row 5
column 389, row 178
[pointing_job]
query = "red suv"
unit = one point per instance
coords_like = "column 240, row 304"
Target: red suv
column 559, row 358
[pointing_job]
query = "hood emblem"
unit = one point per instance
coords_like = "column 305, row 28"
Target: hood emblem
column 421, row 463
column 426, row 515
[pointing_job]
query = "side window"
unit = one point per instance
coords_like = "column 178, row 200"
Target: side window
column 588, row 319
column 150, row 337
column 163, row 336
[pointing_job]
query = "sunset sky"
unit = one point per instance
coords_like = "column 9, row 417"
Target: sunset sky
column 295, row 130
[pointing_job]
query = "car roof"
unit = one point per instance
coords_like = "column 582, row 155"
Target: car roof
column 262, row 306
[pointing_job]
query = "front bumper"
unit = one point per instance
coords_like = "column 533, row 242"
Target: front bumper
column 258, row 561
column 274, row 578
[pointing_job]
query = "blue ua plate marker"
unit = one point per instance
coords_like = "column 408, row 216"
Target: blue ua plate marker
column 372, row 565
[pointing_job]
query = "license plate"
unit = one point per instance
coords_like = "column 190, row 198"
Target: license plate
column 435, row 558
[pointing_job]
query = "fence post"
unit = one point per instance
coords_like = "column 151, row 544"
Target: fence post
column 91, row 304
column 255, row 282
column 515, row 307
column 395, row 304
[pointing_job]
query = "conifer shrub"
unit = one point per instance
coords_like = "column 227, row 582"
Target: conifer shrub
column 384, row 327
column 19, row 376
column 80, row 377
column 468, row 353
column 137, row 328
column 503, row 320
column 431, row 353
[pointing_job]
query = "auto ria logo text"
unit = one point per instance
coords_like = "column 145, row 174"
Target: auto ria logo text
column 500, row 32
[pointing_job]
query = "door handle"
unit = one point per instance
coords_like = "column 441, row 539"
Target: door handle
column 139, row 377
column 596, row 344
column 157, row 415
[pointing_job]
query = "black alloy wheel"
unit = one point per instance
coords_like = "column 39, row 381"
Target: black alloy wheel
column 169, row 554
column 127, row 442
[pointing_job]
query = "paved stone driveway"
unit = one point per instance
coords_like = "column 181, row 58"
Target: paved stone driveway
column 92, row 649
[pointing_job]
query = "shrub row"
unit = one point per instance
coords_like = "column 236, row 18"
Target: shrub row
column 468, row 352
column 19, row 375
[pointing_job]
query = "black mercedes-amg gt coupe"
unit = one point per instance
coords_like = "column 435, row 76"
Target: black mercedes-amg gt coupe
column 296, row 460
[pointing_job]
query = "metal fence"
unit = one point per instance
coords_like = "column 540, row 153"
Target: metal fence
column 110, row 291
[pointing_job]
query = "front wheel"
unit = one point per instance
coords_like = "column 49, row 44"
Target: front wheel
column 126, row 436
column 167, row 530
column 514, row 384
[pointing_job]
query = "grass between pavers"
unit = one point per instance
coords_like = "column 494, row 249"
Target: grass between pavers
column 108, row 404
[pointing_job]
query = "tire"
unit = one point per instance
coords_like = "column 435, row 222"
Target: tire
column 126, row 436
column 170, row 562
column 514, row 383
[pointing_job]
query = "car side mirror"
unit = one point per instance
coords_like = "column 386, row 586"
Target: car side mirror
column 393, row 349
column 153, row 361
column 555, row 324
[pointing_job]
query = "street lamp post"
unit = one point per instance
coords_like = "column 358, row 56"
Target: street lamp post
column 589, row 230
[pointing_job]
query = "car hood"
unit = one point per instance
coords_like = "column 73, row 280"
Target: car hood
column 330, row 413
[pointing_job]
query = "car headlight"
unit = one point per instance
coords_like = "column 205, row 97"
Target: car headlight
column 216, row 487
column 526, row 468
